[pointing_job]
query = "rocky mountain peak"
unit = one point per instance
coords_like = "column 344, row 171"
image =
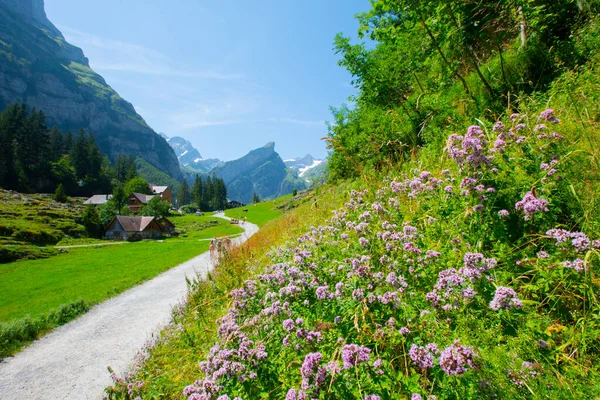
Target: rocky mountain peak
column 32, row 11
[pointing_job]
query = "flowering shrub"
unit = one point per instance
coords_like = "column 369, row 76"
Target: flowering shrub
column 433, row 286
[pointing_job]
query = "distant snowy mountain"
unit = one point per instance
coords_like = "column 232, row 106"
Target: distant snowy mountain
column 189, row 157
column 304, row 165
column 185, row 152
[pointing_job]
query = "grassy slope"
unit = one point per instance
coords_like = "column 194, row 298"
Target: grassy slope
column 38, row 295
column 263, row 212
column 28, row 223
column 174, row 361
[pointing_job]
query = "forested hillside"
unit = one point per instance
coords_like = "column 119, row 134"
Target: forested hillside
column 464, row 260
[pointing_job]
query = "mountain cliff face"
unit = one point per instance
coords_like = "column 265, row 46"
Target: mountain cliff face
column 38, row 67
column 262, row 171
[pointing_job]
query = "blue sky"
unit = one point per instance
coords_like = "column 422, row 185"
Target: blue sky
column 229, row 76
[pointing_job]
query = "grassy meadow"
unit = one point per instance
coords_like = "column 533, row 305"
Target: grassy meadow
column 30, row 225
column 30, row 290
column 262, row 212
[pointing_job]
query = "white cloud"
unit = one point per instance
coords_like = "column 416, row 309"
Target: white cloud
column 113, row 55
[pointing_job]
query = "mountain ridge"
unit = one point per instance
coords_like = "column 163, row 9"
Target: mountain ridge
column 40, row 68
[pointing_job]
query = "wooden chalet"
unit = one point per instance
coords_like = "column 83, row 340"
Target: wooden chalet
column 137, row 201
column 235, row 204
column 163, row 191
column 130, row 228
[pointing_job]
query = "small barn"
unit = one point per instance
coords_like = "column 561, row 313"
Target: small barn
column 163, row 191
column 97, row 200
column 130, row 228
column 235, row 204
column 137, row 201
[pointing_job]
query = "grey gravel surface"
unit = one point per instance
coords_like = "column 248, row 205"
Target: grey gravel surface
column 71, row 362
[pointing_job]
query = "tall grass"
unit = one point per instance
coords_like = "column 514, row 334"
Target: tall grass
column 17, row 334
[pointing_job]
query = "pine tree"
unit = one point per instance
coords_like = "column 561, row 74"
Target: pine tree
column 119, row 198
column 59, row 194
column 91, row 221
column 255, row 198
column 207, row 195
column 183, row 194
column 57, row 145
column 12, row 124
column 197, row 192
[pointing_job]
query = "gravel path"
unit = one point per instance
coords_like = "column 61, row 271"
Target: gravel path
column 71, row 362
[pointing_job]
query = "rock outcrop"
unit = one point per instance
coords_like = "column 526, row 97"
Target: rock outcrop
column 38, row 67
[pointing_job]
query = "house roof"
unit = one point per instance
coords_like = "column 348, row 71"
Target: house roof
column 143, row 198
column 158, row 189
column 133, row 224
column 98, row 199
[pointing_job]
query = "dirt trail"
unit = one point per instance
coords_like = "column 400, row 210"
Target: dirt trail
column 71, row 362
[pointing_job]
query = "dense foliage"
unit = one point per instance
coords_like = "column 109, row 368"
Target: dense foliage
column 209, row 194
column 431, row 65
column 34, row 158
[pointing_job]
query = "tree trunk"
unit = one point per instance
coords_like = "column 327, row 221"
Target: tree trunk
column 522, row 26
column 439, row 50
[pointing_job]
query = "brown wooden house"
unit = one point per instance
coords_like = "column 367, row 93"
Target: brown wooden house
column 137, row 201
column 163, row 191
column 130, row 228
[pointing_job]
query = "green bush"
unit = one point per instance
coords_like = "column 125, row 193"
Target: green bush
column 14, row 252
column 60, row 195
column 38, row 237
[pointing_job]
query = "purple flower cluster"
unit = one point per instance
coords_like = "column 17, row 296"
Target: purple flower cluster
column 531, row 205
column 422, row 356
column 548, row 115
column 353, row 355
column 455, row 358
column 577, row 264
column 313, row 375
column 469, row 150
column 579, row 240
column 505, row 298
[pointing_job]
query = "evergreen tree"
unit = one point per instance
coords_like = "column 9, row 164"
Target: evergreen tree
column 220, row 194
column 196, row 193
column 125, row 169
column 67, row 142
column 57, row 145
column 255, row 198
column 59, row 194
column 12, row 123
column 183, row 194
column 62, row 172
column 78, row 155
column 119, row 198
column 92, row 222
column 208, row 194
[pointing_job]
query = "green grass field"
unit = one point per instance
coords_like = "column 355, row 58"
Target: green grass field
column 35, row 287
column 261, row 213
